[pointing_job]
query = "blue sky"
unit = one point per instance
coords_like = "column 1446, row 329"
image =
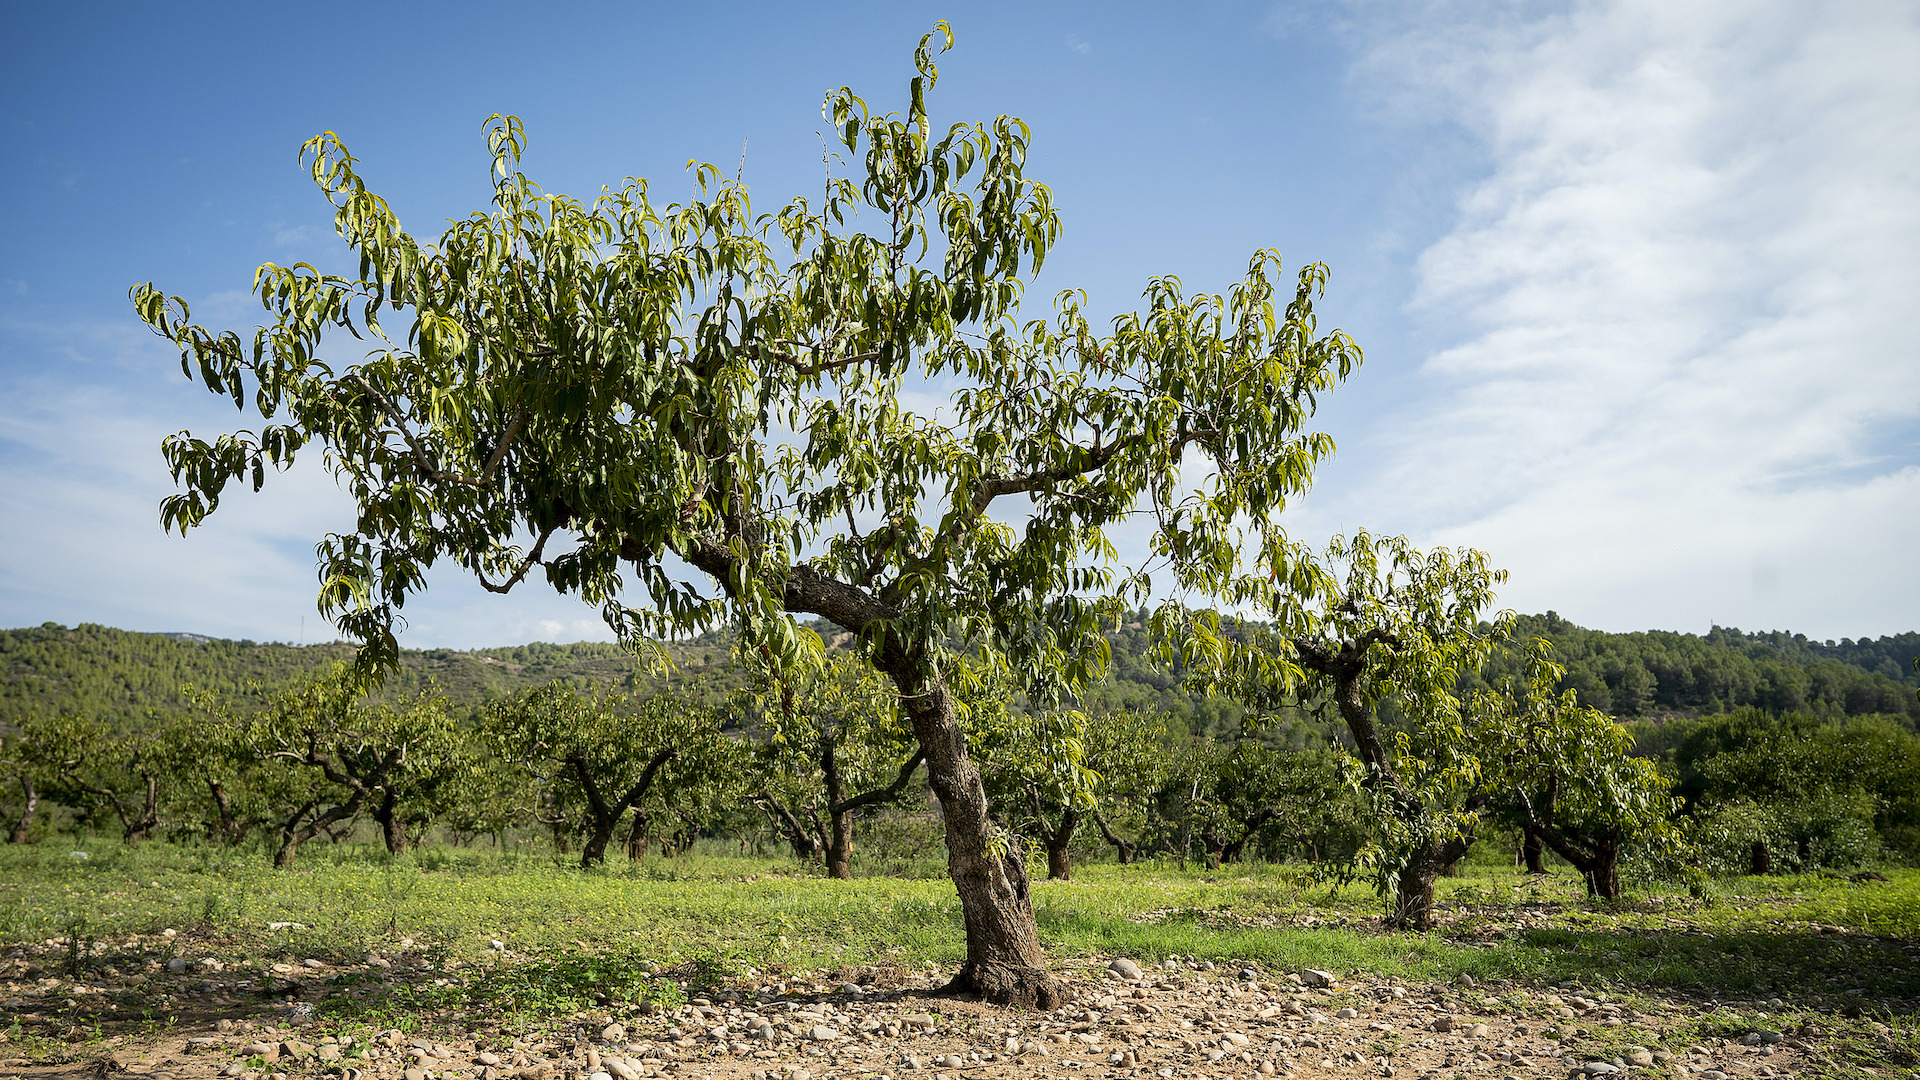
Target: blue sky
column 1635, row 280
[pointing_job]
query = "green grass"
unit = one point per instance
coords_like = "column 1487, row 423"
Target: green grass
column 1807, row 940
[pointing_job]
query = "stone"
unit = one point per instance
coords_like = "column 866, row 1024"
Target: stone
column 1478, row 1031
column 613, row 1033
column 1638, row 1056
column 486, row 1059
column 267, row 1050
column 238, row 1068
column 600, row 1076
column 823, row 1033
column 1597, row 1068
column 1248, row 974
column 1346, row 1014
column 1442, row 1023
column 919, row 1020
column 1316, row 977
column 1126, row 969
column 177, row 965
column 414, row 1074
column 294, row 1048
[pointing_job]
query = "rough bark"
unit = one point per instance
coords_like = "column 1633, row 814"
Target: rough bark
column 805, row 846
column 1596, row 855
column 24, row 824
column 296, row 830
column 839, row 818
column 1413, row 896
column 135, row 824
column 1005, row 963
column 1760, row 860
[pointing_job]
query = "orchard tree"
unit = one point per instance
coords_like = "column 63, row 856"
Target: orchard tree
column 837, row 744
column 1125, row 751
column 333, row 755
column 603, row 393
column 96, row 769
column 602, row 755
column 1372, row 620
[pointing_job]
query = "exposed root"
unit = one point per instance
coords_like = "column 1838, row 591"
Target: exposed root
column 1020, row 987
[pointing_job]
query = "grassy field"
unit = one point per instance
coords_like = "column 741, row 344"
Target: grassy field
column 1819, row 941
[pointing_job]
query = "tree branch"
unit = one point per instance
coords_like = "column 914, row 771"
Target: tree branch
column 888, row 793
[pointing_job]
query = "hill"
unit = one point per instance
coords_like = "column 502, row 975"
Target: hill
column 126, row 676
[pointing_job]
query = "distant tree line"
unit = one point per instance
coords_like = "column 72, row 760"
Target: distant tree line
column 1148, row 765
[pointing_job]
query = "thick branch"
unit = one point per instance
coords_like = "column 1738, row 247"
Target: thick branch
column 891, row 791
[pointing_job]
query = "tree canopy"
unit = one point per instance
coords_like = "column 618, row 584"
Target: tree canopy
column 615, row 391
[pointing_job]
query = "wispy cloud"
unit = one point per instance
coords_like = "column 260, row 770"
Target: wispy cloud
column 1079, row 45
column 1683, row 384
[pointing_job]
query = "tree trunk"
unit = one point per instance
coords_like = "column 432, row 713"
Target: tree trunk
column 1215, row 846
column 232, row 831
column 637, row 837
column 1005, row 963
column 393, row 828
column 1603, row 872
column 141, row 827
column 1059, row 846
column 840, row 846
column 839, row 818
column 1413, row 901
column 1123, row 849
column 25, row 823
column 805, row 847
column 599, row 833
column 1761, row 859
column 1533, row 852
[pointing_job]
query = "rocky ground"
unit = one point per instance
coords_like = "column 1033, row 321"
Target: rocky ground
column 1179, row 1019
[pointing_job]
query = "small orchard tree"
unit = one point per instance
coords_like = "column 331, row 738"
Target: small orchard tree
column 1125, row 752
column 1250, row 788
column 333, row 755
column 1570, row 772
column 98, row 770
column 602, row 755
column 1035, row 767
column 1372, row 620
column 837, row 743
column 599, row 393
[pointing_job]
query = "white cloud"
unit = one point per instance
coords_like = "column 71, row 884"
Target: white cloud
column 1079, row 46
column 1683, row 385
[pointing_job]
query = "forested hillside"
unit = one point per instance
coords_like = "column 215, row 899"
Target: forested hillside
column 1658, row 672
column 121, row 676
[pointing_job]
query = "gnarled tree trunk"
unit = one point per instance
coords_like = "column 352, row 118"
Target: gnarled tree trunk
column 1005, row 963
